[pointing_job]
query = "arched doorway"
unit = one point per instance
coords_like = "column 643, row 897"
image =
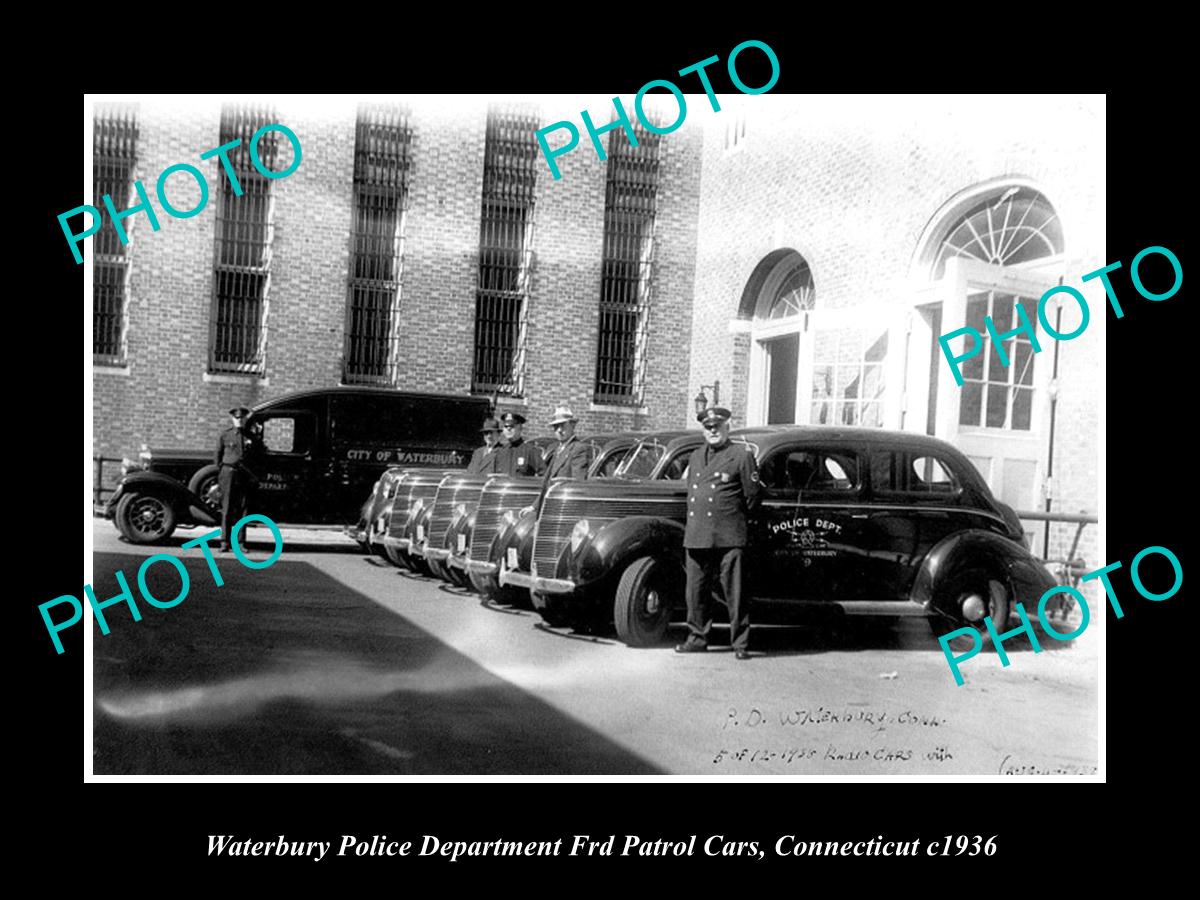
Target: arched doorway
column 813, row 365
column 988, row 250
column 777, row 300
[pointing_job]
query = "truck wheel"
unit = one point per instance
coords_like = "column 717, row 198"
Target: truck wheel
column 145, row 519
column 967, row 599
column 206, row 484
column 644, row 601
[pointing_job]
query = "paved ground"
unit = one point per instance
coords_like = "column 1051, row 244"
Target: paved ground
column 333, row 662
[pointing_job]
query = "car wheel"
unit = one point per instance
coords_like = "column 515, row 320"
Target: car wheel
column 967, row 599
column 394, row 556
column 646, row 596
column 458, row 577
column 487, row 586
column 552, row 610
column 206, row 484
column 145, row 519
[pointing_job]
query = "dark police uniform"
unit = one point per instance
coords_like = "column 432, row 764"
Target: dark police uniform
column 723, row 487
column 569, row 460
column 237, row 450
column 519, row 458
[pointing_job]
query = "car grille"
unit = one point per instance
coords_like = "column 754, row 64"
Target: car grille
column 456, row 489
column 400, row 503
column 417, row 486
column 562, row 509
column 498, row 497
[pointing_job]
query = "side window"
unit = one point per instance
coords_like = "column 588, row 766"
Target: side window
column 287, row 434
column 608, row 466
column 930, row 475
column 674, row 470
column 822, row 471
column 913, row 473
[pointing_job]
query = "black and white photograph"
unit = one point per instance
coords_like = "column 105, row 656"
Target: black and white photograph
column 697, row 434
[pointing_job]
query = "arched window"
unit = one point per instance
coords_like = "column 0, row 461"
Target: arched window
column 1004, row 229
column 795, row 293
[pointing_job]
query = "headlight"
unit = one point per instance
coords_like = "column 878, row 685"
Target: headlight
column 509, row 518
column 580, row 533
column 461, row 510
column 129, row 465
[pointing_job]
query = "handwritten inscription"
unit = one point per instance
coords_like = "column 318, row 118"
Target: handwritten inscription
column 879, row 719
column 830, row 753
column 1010, row 768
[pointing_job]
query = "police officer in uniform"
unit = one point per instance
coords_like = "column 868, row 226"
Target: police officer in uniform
column 516, row 456
column 723, row 488
column 237, row 449
column 570, row 457
column 484, row 459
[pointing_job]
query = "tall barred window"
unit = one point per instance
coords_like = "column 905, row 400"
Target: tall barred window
column 505, row 250
column 382, row 143
column 242, row 258
column 114, row 156
column 631, row 200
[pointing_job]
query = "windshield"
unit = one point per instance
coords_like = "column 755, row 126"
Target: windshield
column 640, row 461
column 607, row 466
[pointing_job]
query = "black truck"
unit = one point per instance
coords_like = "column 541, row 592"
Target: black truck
column 322, row 452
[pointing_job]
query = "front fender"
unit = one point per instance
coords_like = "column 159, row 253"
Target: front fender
column 518, row 536
column 1025, row 576
column 189, row 508
column 619, row 543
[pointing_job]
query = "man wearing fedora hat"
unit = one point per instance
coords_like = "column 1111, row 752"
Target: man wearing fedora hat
column 238, row 447
column 484, row 459
column 570, row 457
column 723, row 487
column 516, row 456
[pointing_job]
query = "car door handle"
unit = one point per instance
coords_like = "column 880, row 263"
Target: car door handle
column 858, row 515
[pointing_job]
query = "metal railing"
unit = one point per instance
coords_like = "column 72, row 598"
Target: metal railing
column 1069, row 569
column 102, row 490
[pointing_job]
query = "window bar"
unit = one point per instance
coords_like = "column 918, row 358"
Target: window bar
column 114, row 158
column 627, row 268
column 505, row 250
column 383, row 136
column 242, row 253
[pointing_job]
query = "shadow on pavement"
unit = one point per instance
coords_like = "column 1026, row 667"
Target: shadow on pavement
column 288, row 671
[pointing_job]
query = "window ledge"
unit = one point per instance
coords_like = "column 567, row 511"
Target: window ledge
column 236, row 378
column 617, row 408
column 110, row 369
column 503, row 399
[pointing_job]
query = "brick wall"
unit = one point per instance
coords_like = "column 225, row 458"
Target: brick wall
column 167, row 400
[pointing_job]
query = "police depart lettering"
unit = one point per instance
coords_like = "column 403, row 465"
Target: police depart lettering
column 222, row 153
